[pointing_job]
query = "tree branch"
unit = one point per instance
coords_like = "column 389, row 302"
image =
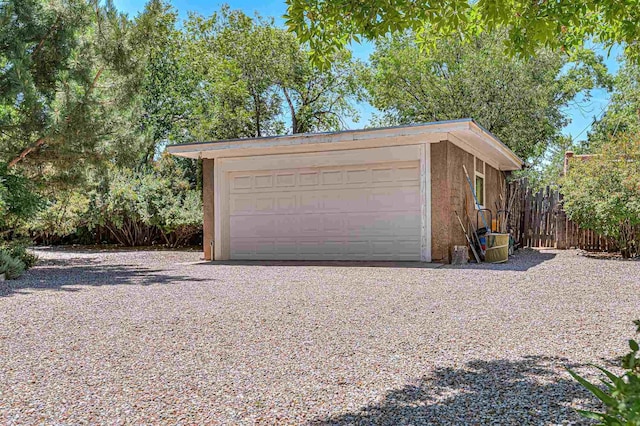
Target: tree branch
column 53, row 27
column 294, row 121
column 42, row 140
column 26, row 152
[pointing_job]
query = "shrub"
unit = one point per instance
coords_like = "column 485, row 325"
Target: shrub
column 18, row 201
column 141, row 207
column 62, row 216
column 602, row 192
column 18, row 250
column 10, row 266
column 621, row 395
column 181, row 218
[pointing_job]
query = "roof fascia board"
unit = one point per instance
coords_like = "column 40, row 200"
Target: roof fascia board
column 218, row 150
column 353, row 135
column 466, row 146
column 495, row 143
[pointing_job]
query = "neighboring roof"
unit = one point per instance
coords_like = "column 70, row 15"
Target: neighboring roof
column 465, row 133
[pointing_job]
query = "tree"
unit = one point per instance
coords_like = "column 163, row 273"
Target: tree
column 318, row 99
column 60, row 71
column 520, row 101
column 254, row 71
column 241, row 59
column 329, row 25
column 169, row 91
column 623, row 112
column 90, row 98
column 602, row 192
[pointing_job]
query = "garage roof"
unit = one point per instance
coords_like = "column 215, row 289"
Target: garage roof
column 465, row 133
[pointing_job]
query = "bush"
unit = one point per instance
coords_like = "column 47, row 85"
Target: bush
column 147, row 206
column 62, row 216
column 18, row 201
column 15, row 259
column 157, row 204
column 621, row 395
column 10, row 266
column 602, row 192
column 18, row 250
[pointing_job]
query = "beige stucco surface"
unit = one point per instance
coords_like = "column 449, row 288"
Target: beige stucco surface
column 451, row 193
column 207, row 206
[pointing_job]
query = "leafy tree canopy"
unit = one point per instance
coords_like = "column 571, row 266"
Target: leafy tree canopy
column 62, row 66
column 262, row 75
column 329, row 25
column 623, row 112
column 519, row 100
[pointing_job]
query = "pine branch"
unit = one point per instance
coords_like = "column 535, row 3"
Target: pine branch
column 42, row 140
column 26, row 152
column 53, row 27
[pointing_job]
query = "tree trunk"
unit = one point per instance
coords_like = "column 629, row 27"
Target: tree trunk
column 256, row 107
column 294, row 119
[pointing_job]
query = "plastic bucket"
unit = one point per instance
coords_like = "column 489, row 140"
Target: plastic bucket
column 497, row 248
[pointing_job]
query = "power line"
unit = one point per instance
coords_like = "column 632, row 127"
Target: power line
column 595, row 119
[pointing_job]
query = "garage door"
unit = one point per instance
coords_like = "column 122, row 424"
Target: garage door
column 359, row 212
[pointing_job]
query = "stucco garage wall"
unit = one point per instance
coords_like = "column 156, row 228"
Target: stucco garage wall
column 450, row 192
column 495, row 185
column 440, row 205
column 207, row 207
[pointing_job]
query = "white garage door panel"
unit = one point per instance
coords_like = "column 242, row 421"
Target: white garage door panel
column 330, row 213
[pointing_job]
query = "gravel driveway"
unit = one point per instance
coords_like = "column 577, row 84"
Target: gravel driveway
column 144, row 337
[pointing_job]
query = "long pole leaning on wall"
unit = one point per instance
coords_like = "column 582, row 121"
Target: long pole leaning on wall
column 475, row 198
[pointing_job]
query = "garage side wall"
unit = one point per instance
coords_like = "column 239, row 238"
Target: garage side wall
column 495, row 181
column 460, row 194
column 440, row 204
column 207, row 207
column 450, row 193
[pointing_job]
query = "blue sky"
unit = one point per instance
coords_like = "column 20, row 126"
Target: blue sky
column 581, row 114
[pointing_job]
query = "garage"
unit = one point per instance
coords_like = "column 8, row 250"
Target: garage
column 385, row 194
column 354, row 212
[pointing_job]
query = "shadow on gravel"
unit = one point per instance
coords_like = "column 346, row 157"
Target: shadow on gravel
column 529, row 391
column 523, row 260
column 59, row 273
column 111, row 248
column 326, row 263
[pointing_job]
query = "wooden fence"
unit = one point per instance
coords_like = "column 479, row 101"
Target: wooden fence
column 537, row 220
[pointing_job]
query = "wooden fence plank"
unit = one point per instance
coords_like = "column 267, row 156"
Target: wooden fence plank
column 536, row 219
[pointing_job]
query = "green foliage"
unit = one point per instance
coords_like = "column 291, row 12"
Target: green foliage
column 63, row 215
column 320, row 98
column 520, row 101
column 169, row 84
column 10, row 266
column 621, row 395
column 63, row 68
column 18, row 250
column 602, row 192
column 18, row 201
column 89, row 98
column 140, row 207
column 329, row 25
column 623, row 112
column 255, row 74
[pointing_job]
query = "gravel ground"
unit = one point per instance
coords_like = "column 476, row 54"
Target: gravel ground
column 158, row 337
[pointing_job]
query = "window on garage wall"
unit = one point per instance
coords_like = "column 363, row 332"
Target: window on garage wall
column 480, row 181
